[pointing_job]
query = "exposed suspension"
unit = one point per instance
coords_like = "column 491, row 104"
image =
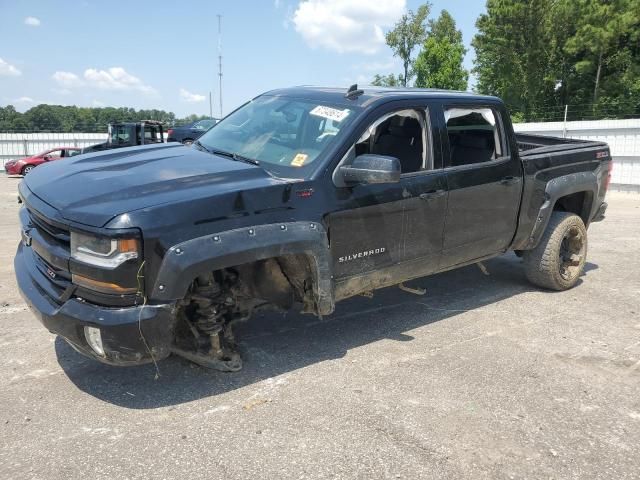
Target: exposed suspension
column 209, row 311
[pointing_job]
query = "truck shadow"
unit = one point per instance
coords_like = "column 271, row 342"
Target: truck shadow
column 273, row 344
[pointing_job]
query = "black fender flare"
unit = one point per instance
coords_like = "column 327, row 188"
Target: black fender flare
column 555, row 189
column 183, row 262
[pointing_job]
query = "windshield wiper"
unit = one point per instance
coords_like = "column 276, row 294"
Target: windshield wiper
column 201, row 146
column 235, row 156
column 231, row 155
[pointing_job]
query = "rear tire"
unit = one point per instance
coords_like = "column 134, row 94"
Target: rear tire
column 26, row 170
column 558, row 261
column 187, row 142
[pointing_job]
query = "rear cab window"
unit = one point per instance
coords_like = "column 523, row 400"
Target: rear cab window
column 151, row 134
column 475, row 135
column 72, row 152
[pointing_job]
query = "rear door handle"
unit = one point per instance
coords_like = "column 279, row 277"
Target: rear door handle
column 432, row 195
column 510, row 180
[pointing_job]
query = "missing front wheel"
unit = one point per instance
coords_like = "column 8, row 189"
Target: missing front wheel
column 204, row 335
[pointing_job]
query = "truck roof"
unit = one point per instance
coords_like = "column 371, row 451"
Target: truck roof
column 374, row 94
column 148, row 122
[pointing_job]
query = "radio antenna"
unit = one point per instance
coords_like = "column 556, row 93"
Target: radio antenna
column 220, row 60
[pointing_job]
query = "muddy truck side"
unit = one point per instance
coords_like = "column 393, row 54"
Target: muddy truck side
column 300, row 198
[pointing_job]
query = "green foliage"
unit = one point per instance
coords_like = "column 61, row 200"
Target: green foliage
column 439, row 64
column 191, row 119
column 511, row 53
column 406, row 35
column 539, row 55
column 517, row 117
column 57, row 118
column 390, row 80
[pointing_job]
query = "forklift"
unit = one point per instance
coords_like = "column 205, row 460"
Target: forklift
column 130, row 134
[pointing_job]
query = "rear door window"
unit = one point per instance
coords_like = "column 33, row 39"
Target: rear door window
column 474, row 135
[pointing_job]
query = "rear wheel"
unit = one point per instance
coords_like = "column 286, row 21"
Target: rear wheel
column 26, row 170
column 558, row 260
column 187, row 142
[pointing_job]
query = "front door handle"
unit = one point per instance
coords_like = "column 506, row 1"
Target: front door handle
column 432, row 195
column 510, row 180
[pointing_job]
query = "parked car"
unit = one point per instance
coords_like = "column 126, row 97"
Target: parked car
column 187, row 134
column 129, row 134
column 299, row 199
column 24, row 165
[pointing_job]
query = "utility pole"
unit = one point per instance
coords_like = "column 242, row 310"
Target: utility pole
column 210, row 105
column 220, row 60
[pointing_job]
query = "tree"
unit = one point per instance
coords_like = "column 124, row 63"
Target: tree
column 192, row 119
column 601, row 25
column 512, row 58
column 58, row 118
column 439, row 64
column 540, row 55
column 408, row 33
column 390, row 80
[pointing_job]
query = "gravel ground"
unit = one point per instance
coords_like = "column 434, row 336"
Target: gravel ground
column 483, row 377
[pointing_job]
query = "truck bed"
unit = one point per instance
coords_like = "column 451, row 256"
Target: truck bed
column 530, row 145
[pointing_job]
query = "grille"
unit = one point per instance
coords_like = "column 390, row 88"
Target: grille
column 51, row 244
column 58, row 233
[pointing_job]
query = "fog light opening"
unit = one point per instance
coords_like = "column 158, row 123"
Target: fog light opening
column 94, row 339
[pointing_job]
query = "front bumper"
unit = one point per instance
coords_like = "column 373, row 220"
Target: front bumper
column 130, row 336
column 14, row 169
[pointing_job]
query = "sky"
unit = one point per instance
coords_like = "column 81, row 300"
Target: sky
column 163, row 54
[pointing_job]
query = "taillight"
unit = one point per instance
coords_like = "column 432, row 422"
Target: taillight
column 608, row 180
column 170, row 131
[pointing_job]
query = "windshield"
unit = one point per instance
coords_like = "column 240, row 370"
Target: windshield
column 279, row 132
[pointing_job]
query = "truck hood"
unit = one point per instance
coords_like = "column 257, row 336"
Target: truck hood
column 92, row 189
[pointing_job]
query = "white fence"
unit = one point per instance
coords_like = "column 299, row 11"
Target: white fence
column 19, row 145
column 623, row 137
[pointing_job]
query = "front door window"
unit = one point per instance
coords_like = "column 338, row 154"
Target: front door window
column 400, row 135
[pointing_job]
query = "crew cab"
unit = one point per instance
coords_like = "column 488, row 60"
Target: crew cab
column 300, row 198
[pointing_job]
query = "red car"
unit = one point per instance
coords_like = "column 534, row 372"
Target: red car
column 23, row 166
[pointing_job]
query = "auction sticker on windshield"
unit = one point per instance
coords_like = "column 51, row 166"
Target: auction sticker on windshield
column 299, row 160
column 330, row 113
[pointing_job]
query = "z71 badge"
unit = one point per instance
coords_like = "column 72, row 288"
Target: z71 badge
column 366, row 253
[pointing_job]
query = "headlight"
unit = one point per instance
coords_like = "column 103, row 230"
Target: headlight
column 105, row 264
column 103, row 251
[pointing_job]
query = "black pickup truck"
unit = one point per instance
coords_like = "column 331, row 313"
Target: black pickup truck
column 300, row 198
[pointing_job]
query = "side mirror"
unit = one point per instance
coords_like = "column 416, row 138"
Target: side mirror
column 46, row 158
column 371, row 168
